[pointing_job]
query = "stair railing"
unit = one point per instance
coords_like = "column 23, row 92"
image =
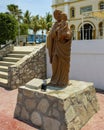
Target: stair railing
column 7, row 48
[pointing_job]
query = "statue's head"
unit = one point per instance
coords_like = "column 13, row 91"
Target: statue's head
column 63, row 16
column 57, row 15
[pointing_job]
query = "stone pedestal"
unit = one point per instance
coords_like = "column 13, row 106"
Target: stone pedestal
column 58, row 108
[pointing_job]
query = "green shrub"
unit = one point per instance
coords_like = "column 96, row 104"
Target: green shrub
column 8, row 28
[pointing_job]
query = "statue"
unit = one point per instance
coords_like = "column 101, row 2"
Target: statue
column 59, row 48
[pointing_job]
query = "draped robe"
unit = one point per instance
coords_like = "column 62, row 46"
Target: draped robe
column 59, row 53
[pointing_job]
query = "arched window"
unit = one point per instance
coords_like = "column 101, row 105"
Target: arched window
column 101, row 28
column 101, row 5
column 72, row 27
column 72, row 12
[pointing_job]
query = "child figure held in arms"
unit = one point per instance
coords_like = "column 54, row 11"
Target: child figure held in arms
column 63, row 27
column 59, row 48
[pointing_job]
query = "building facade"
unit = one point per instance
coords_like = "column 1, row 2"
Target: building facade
column 83, row 24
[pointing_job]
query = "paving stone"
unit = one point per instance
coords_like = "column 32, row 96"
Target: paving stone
column 35, row 84
column 36, row 119
column 24, row 114
column 43, row 105
column 50, row 124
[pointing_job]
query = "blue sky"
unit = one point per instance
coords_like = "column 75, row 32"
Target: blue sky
column 34, row 6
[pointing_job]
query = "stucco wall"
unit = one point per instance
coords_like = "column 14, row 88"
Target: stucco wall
column 87, row 62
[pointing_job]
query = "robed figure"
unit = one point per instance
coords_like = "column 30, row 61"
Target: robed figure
column 59, row 48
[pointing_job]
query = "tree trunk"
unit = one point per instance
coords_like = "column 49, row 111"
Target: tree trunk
column 42, row 35
column 35, row 36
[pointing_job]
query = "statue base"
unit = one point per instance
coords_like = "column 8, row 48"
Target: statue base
column 56, row 108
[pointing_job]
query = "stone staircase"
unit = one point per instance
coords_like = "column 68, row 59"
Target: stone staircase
column 7, row 61
column 19, row 65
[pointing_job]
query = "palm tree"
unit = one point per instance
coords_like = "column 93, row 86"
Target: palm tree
column 27, row 17
column 42, row 23
column 48, row 21
column 35, row 26
column 15, row 11
column 12, row 9
column 19, row 15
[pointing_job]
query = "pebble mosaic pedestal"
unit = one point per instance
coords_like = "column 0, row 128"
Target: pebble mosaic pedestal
column 58, row 108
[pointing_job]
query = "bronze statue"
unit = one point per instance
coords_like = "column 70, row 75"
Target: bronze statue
column 59, row 48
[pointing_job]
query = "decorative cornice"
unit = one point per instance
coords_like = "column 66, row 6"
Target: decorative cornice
column 74, row 19
column 64, row 3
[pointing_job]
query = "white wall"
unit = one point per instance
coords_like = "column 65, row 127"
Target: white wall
column 87, row 62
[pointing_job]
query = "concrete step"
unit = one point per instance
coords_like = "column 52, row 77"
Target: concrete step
column 3, row 75
column 11, row 59
column 4, row 63
column 3, row 82
column 21, row 52
column 4, row 68
column 16, row 55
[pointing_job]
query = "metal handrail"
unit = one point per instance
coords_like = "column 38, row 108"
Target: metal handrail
column 11, row 42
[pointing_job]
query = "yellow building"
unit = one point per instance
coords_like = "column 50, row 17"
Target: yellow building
column 86, row 17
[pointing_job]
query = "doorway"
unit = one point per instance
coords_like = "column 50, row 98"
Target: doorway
column 86, row 32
